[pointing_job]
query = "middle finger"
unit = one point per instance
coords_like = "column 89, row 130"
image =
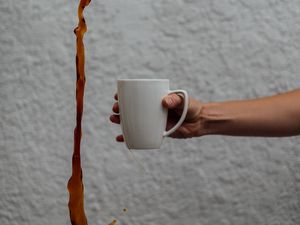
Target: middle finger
column 115, row 107
column 115, row 119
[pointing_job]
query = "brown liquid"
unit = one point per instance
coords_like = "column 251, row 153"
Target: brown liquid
column 75, row 184
column 113, row 222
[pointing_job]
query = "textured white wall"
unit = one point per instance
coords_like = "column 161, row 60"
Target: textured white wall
column 217, row 50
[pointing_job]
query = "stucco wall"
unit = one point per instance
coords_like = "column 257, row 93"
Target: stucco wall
column 217, row 50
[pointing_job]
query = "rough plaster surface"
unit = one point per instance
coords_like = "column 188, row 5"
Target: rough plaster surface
column 217, row 50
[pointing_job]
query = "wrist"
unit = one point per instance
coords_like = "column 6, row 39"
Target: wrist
column 200, row 119
column 213, row 119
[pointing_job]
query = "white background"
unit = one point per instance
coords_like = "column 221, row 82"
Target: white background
column 216, row 50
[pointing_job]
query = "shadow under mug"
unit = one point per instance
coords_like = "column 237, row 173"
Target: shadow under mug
column 143, row 118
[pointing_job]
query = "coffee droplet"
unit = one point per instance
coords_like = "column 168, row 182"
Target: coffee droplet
column 113, row 222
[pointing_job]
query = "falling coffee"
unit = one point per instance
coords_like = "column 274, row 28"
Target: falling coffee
column 75, row 184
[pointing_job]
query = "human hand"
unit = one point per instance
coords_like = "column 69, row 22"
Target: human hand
column 191, row 127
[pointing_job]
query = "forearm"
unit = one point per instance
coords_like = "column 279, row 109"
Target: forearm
column 274, row 116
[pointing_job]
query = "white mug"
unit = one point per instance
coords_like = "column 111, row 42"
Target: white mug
column 143, row 118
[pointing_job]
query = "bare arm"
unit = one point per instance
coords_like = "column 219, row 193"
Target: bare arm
column 274, row 116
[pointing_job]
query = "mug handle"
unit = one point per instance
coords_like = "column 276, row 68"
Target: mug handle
column 184, row 112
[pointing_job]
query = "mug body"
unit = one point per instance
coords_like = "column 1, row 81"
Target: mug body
column 143, row 118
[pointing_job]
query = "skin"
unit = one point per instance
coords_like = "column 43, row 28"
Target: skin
column 273, row 116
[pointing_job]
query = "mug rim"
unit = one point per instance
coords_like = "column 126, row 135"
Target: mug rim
column 144, row 80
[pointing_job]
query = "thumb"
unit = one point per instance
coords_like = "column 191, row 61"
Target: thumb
column 173, row 101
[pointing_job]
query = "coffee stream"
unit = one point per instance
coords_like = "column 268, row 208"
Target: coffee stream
column 75, row 184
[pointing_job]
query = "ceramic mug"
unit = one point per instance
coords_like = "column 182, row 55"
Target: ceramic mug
column 143, row 118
